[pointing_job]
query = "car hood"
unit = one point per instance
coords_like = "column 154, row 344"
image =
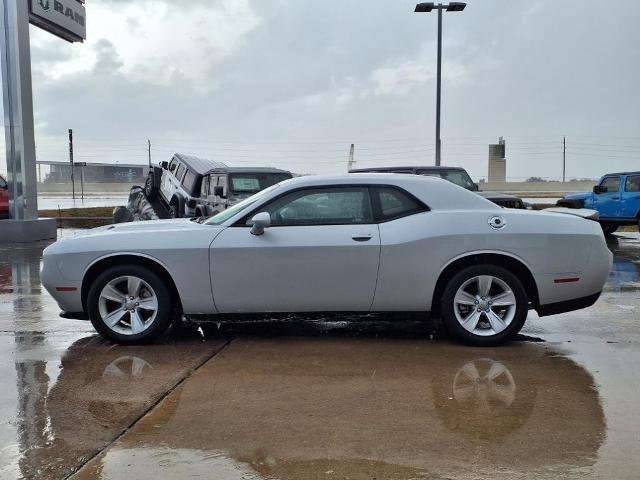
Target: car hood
column 144, row 226
column 576, row 196
column 138, row 236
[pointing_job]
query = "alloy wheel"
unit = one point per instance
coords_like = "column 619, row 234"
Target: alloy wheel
column 484, row 305
column 128, row 305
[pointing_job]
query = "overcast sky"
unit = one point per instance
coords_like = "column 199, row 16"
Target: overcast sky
column 291, row 83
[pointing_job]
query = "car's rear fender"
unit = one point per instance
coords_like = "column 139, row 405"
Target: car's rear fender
column 509, row 261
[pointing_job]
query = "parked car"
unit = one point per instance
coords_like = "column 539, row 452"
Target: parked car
column 190, row 186
column 350, row 243
column 616, row 197
column 4, row 198
column 456, row 175
column 223, row 187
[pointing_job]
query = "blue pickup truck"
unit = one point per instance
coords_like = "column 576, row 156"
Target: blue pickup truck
column 616, row 197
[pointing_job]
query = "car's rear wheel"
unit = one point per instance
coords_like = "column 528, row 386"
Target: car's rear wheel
column 608, row 228
column 484, row 305
column 129, row 304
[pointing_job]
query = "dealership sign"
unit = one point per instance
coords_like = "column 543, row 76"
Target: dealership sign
column 64, row 18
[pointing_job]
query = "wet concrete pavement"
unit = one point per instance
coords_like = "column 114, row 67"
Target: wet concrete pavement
column 385, row 398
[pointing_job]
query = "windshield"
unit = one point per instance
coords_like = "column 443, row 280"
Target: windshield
column 459, row 177
column 248, row 183
column 238, row 207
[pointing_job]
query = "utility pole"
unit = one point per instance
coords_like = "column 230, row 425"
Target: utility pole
column 149, row 148
column 73, row 185
column 351, row 159
column 564, row 158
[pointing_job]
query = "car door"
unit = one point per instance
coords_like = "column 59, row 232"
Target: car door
column 320, row 253
column 608, row 203
column 630, row 197
column 166, row 189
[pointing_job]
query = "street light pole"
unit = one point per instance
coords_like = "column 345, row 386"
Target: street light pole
column 425, row 8
column 439, row 90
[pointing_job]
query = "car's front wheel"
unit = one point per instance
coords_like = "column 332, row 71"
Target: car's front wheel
column 609, row 228
column 174, row 210
column 149, row 187
column 484, row 305
column 129, row 304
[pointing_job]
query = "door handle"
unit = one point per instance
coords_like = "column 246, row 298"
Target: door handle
column 615, row 198
column 362, row 238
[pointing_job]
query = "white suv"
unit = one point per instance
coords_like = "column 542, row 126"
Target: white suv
column 178, row 183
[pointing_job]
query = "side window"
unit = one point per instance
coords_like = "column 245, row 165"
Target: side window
column 632, row 184
column 204, row 190
column 611, row 183
column 180, row 171
column 3, row 183
column 322, row 206
column 395, row 203
column 172, row 165
column 189, row 181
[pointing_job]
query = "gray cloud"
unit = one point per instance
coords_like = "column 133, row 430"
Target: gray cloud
column 311, row 77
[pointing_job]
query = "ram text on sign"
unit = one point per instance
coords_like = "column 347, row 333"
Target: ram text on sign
column 64, row 18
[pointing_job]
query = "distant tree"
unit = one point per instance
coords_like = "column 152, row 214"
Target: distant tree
column 535, row 180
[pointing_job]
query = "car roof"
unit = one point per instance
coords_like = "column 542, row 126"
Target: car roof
column 197, row 164
column 247, row 170
column 437, row 193
column 621, row 173
column 412, row 167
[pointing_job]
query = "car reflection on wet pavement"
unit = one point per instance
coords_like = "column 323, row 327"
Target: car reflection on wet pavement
column 375, row 397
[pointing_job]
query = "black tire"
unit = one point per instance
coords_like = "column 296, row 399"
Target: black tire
column 200, row 211
column 609, row 228
column 448, row 308
column 149, row 187
column 174, row 210
column 163, row 316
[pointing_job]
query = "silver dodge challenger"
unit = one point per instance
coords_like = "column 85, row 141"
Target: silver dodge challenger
column 348, row 243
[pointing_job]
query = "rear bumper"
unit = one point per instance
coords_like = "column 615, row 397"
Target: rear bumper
column 567, row 305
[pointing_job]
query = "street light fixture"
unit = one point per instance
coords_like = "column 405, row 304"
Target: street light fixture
column 425, row 8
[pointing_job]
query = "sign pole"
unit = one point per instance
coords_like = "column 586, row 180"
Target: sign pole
column 73, row 183
column 18, row 109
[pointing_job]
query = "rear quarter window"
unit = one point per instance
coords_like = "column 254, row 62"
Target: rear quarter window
column 396, row 203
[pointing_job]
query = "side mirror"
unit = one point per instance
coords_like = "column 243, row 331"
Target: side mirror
column 260, row 221
column 218, row 192
column 598, row 189
column 476, row 187
column 164, row 165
